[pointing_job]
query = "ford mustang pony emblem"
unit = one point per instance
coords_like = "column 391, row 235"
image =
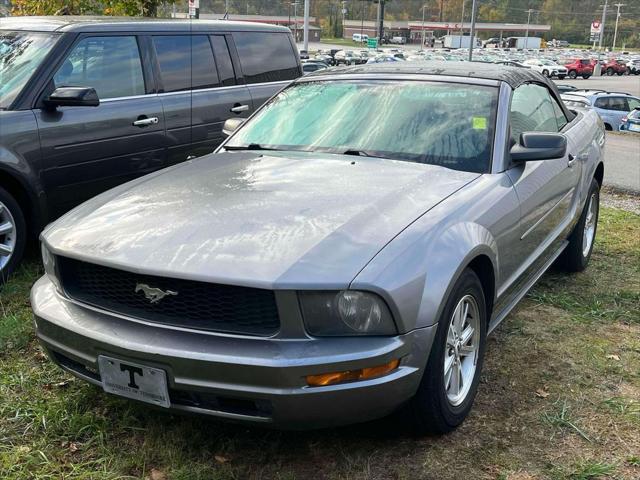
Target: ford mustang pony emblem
column 154, row 295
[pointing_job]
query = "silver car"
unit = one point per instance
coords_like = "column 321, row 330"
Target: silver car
column 343, row 254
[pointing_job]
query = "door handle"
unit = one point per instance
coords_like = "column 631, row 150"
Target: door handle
column 237, row 108
column 572, row 161
column 145, row 122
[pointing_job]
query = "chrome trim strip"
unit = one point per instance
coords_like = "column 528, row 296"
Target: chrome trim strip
column 541, row 219
column 399, row 76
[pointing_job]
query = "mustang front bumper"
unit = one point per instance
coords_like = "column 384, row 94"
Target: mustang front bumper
column 259, row 380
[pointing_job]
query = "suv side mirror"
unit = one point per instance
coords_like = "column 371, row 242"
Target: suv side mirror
column 73, row 97
column 231, row 125
column 539, row 146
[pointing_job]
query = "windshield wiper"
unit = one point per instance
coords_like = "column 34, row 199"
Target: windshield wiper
column 361, row 153
column 249, row 146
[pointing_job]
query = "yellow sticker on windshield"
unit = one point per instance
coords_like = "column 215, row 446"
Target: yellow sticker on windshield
column 479, row 123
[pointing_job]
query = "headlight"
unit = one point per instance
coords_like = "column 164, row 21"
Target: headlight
column 347, row 312
column 49, row 262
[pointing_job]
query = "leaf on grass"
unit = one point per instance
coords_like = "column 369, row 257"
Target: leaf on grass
column 613, row 357
column 73, row 447
column 221, row 459
column 156, row 474
column 542, row 393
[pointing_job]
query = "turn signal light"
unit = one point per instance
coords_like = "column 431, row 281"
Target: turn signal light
column 350, row 375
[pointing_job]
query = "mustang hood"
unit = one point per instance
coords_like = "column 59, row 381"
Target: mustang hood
column 265, row 220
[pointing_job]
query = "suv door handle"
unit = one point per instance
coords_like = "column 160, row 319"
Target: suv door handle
column 572, row 161
column 237, row 108
column 145, row 122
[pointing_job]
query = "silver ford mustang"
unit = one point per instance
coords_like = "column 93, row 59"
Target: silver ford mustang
column 343, row 254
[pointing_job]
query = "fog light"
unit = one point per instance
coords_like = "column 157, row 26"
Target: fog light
column 352, row 375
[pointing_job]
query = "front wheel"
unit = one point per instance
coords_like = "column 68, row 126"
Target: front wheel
column 573, row 74
column 13, row 235
column 450, row 380
column 575, row 257
column 586, row 76
column 609, row 71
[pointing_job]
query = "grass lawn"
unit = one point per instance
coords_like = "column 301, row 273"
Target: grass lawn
column 559, row 399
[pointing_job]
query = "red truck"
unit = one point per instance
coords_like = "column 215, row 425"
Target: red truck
column 612, row 66
column 579, row 67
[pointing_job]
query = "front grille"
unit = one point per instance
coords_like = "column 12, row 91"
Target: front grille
column 196, row 305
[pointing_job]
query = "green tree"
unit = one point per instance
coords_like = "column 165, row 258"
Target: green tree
column 146, row 8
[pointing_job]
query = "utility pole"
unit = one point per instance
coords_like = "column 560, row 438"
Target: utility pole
column 344, row 11
column 615, row 32
column 423, row 32
column 526, row 36
column 361, row 19
column 295, row 20
column 305, row 33
column 604, row 17
column 380, row 21
column 462, row 24
column 473, row 29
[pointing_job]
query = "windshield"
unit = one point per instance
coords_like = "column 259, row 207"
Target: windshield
column 445, row 124
column 20, row 55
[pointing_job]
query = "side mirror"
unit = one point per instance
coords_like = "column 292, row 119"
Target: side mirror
column 231, row 125
column 539, row 146
column 73, row 97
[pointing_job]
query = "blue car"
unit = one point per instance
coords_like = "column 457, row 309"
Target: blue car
column 611, row 106
column 631, row 122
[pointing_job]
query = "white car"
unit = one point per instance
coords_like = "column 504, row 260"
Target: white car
column 548, row 68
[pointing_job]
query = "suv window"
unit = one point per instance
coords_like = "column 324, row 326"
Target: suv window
column 585, row 62
column 223, row 60
column 266, row 57
column 633, row 103
column 111, row 65
column 618, row 104
column 174, row 54
column 532, row 110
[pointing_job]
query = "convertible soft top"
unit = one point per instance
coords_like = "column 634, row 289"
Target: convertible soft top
column 514, row 76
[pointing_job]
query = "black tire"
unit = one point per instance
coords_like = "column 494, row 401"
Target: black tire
column 573, row 74
column 609, row 71
column 429, row 410
column 608, row 127
column 621, row 73
column 574, row 258
column 586, row 76
column 561, row 77
column 18, row 234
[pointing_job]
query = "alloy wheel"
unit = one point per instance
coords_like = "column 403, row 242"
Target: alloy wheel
column 7, row 235
column 461, row 355
column 589, row 230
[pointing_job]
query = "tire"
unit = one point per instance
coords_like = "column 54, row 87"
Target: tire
column 620, row 73
column 13, row 235
column 609, row 71
column 586, row 76
column 432, row 410
column 545, row 73
column 608, row 127
column 575, row 257
column 573, row 74
column 561, row 77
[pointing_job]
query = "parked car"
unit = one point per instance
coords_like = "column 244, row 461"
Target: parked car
column 87, row 104
column 384, row 59
column 362, row 38
column 613, row 66
column 313, row 66
column 547, row 68
column 398, row 40
column 610, row 106
column 270, row 283
column 512, row 63
column 348, row 57
column 574, row 101
column 633, row 67
column 631, row 122
column 325, row 58
column 579, row 67
column 304, row 55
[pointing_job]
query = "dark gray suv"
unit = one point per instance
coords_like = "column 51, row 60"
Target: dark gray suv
column 89, row 103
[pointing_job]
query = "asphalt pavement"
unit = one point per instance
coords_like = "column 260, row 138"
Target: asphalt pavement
column 622, row 161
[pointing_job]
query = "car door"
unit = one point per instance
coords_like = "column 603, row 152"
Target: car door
column 546, row 189
column 87, row 150
column 217, row 93
column 611, row 109
column 269, row 62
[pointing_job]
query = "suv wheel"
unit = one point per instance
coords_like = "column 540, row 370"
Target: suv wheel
column 586, row 75
column 13, row 234
column 450, row 380
column 609, row 71
column 575, row 257
column 573, row 74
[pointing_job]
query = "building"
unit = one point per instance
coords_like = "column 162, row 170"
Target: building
column 295, row 24
column 412, row 30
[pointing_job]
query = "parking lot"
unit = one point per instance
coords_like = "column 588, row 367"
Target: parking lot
column 371, row 278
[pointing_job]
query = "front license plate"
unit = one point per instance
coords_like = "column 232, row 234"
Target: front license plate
column 634, row 128
column 133, row 380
